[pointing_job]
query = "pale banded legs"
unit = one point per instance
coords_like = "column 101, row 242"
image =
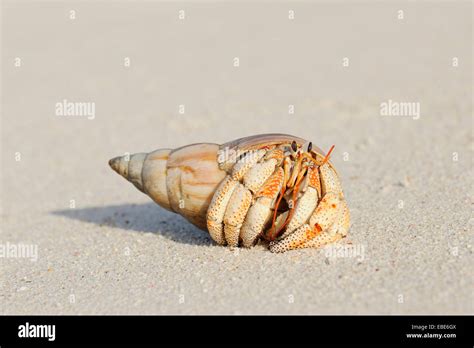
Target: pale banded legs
column 337, row 231
column 261, row 211
column 235, row 214
column 217, row 209
column 232, row 201
column 258, row 174
column 329, row 221
column 322, row 218
column 306, row 203
column 245, row 163
column 245, row 201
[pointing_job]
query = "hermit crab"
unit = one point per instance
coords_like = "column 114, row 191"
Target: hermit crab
column 270, row 187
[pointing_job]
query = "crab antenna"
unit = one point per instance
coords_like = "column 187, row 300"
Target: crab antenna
column 292, row 209
column 327, row 156
column 275, row 212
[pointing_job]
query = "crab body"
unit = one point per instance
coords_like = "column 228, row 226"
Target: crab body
column 272, row 187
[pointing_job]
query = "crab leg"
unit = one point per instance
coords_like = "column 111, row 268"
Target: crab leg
column 323, row 217
column 254, row 169
column 300, row 176
column 295, row 173
column 235, row 213
column 232, row 200
column 330, row 181
column 217, row 209
column 246, row 162
column 286, row 176
column 260, row 212
column 277, row 154
column 337, row 231
column 259, row 173
column 307, row 203
column 286, row 169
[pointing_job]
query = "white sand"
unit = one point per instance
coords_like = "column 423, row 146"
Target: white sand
column 117, row 252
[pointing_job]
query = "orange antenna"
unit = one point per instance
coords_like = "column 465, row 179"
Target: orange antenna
column 276, row 232
column 327, row 156
column 275, row 213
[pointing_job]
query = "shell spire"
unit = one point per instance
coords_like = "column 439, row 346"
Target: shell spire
column 181, row 180
column 130, row 167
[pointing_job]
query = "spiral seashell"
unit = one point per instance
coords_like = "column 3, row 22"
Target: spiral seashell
column 272, row 187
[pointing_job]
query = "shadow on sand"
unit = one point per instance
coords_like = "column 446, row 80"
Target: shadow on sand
column 146, row 217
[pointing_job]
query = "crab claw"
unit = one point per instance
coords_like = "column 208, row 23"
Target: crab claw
column 328, row 222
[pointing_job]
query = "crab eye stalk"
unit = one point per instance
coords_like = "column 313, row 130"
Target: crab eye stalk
column 310, row 146
column 294, row 147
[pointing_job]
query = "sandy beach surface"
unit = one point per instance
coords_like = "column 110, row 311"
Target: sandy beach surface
column 225, row 71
